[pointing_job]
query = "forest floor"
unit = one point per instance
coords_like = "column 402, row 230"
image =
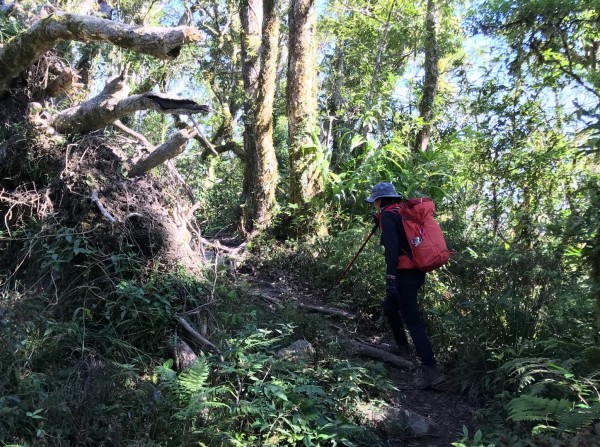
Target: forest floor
column 447, row 411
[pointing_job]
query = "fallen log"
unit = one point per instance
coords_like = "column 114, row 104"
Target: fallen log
column 326, row 310
column 271, row 299
column 370, row 351
column 333, row 311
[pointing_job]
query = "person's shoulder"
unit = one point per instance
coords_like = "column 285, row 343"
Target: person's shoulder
column 391, row 210
column 390, row 214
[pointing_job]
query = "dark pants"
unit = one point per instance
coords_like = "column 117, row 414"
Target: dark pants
column 404, row 310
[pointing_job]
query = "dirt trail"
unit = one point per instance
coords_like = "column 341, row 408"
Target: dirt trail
column 447, row 411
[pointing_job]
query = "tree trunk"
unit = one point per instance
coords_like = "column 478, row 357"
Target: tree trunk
column 251, row 16
column 377, row 67
column 305, row 176
column 266, row 179
column 336, row 105
column 224, row 72
column 430, row 81
column 259, row 71
column 45, row 34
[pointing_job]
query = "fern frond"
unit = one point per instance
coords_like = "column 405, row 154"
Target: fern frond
column 533, row 408
column 198, row 407
column 592, row 355
column 579, row 418
column 168, row 376
column 194, row 379
column 538, row 389
column 521, row 364
column 528, row 373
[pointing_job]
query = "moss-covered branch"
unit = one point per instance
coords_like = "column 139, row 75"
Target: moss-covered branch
column 113, row 103
column 45, row 34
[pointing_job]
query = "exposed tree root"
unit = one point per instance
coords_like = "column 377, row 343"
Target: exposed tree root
column 101, row 207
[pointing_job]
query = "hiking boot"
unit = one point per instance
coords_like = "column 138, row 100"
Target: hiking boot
column 428, row 376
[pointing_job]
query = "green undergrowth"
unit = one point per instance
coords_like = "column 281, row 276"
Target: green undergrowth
column 513, row 326
column 256, row 398
column 88, row 328
column 541, row 394
column 85, row 358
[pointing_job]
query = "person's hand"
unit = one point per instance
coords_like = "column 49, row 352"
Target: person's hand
column 390, row 288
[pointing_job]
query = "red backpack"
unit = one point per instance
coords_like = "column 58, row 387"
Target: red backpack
column 424, row 235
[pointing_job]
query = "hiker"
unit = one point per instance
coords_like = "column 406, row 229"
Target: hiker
column 402, row 284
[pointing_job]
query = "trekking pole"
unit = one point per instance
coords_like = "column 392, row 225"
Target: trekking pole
column 337, row 283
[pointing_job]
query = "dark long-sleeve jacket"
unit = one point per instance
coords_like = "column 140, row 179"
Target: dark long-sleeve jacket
column 393, row 239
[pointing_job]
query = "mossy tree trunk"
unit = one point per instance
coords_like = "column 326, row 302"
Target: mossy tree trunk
column 306, row 180
column 336, row 112
column 432, row 73
column 259, row 52
column 251, row 16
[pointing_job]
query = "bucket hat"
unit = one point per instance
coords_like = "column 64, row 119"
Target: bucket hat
column 382, row 189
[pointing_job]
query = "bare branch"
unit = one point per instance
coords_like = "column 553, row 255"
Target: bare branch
column 164, row 152
column 197, row 336
column 114, row 103
column 211, row 147
column 119, row 125
column 207, row 143
column 45, row 34
column 231, row 252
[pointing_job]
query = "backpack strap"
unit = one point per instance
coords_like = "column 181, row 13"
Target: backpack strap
column 405, row 259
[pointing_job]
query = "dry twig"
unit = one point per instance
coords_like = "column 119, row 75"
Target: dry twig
column 103, row 210
column 198, row 337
